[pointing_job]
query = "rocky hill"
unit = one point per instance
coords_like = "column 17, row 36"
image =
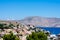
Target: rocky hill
column 36, row 21
column 41, row 21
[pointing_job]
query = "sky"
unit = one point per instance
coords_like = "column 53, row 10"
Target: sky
column 19, row 9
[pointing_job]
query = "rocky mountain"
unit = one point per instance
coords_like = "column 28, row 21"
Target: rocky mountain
column 36, row 21
column 41, row 21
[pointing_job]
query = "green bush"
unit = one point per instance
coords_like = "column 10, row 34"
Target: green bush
column 37, row 36
column 10, row 37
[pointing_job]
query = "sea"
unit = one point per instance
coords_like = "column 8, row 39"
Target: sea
column 52, row 30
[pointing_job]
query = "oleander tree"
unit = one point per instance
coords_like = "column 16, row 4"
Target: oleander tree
column 37, row 36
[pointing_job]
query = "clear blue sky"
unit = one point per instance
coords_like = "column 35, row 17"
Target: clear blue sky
column 19, row 9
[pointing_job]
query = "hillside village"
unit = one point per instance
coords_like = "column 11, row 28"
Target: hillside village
column 22, row 30
column 29, row 19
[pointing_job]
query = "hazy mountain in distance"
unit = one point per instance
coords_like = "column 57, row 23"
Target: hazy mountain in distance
column 41, row 21
column 36, row 21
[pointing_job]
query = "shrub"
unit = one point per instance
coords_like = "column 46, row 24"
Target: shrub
column 10, row 37
column 37, row 36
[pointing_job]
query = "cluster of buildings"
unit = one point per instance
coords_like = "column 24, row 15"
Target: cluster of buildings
column 23, row 30
column 54, row 37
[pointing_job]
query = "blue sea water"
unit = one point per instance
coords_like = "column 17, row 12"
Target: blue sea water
column 53, row 30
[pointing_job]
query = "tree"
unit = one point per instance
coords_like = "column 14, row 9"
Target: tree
column 47, row 33
column 37, row 36
column 11, row 25
column 10, row 37
column 17, row 25
column 2, row 26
